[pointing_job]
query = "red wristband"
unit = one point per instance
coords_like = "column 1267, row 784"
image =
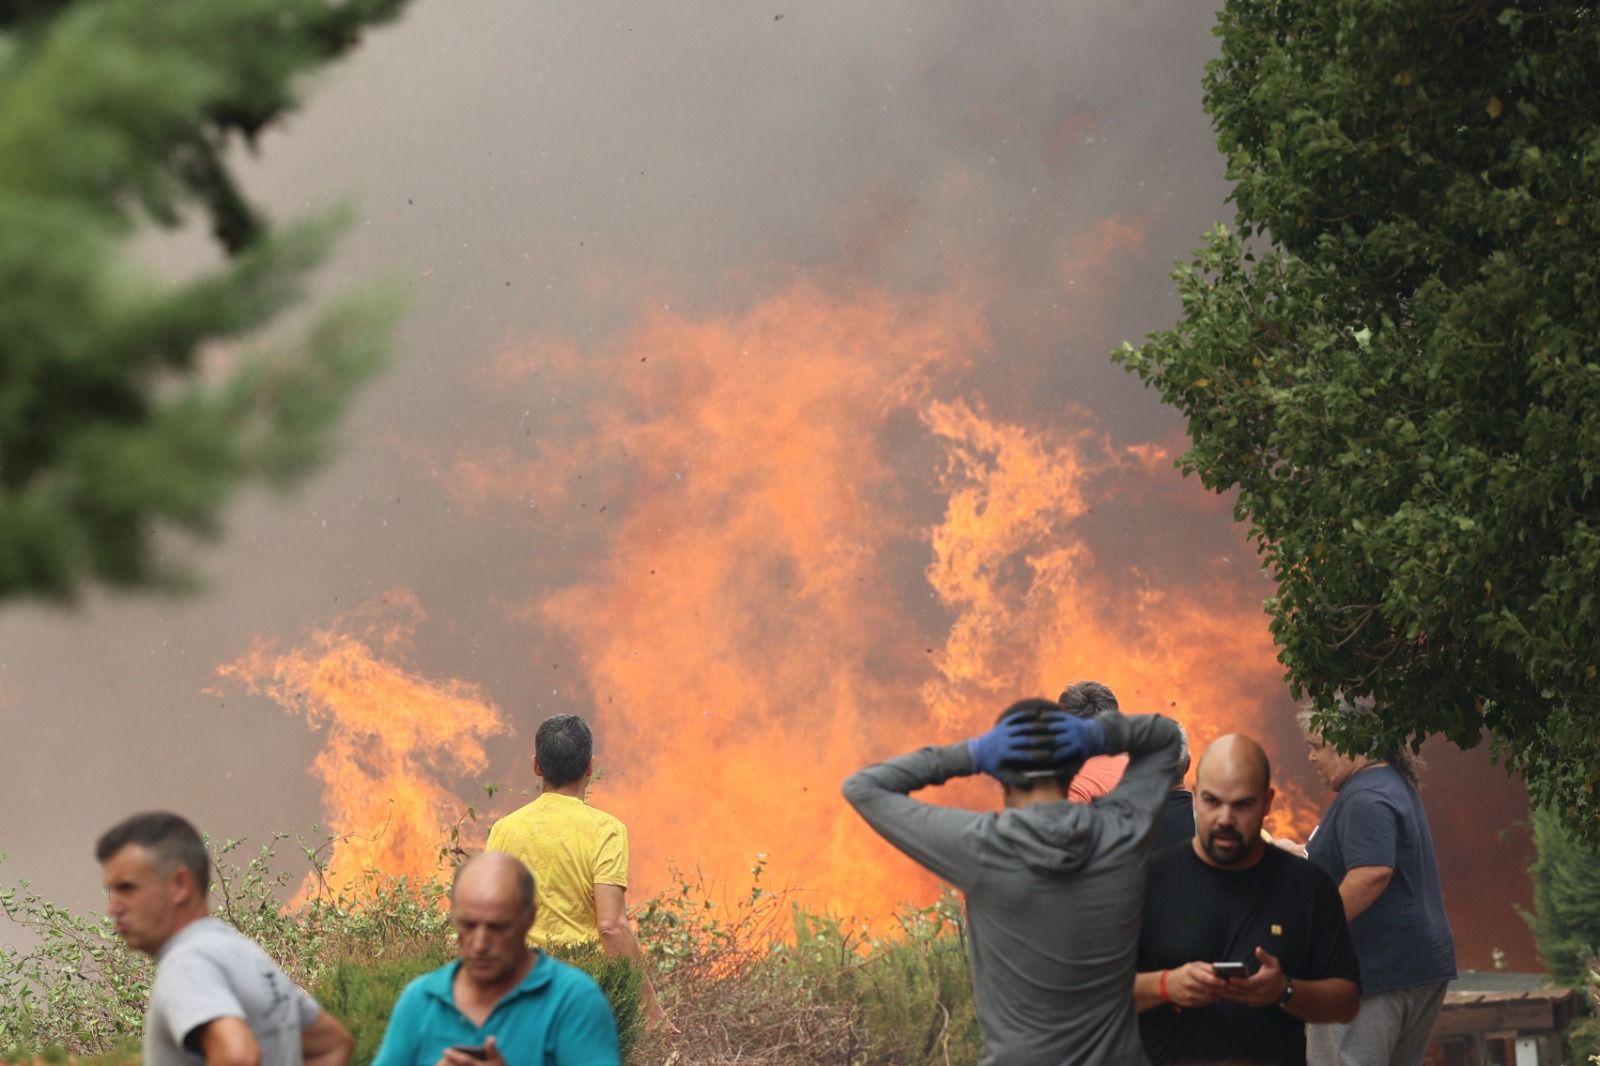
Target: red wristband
column 1161, row 989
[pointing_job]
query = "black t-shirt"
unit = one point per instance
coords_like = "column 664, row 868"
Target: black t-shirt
column 1176, row 820
column 1196, row 912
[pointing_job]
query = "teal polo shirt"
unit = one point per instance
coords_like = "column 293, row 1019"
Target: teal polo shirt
column 557, row 1016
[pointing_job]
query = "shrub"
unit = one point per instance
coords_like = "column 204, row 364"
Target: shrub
column 829, row 991
column 757, row 980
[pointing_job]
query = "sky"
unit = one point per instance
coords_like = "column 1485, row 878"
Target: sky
column 754, row 401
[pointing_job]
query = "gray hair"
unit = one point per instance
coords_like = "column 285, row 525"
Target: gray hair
column 169, row 839
column 1407, row 763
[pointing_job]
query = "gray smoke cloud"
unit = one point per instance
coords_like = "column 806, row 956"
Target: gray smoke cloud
column 546, row 171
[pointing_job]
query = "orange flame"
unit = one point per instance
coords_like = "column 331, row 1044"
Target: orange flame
column 761, row 615
column 752, row 632
column 390, row 736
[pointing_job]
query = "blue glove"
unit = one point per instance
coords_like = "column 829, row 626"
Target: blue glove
column 1072, row 737
column 1010, row 740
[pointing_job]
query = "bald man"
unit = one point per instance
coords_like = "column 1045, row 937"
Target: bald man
column 1241, row 944
column 501, row 1003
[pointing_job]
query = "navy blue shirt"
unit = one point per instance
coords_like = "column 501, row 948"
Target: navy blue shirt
column 1403, row 940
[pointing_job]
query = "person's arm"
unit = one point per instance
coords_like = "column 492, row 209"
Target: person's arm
column 616, row 938
column 938, row 838
column 1361, row 887
column 1153, row 742
column 228, row 1042
column 326, row 1042
column 1320, row 1000
column 1293, row 847
column 1193, row 984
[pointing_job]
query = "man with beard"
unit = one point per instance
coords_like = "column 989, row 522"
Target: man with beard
column 1242, row 944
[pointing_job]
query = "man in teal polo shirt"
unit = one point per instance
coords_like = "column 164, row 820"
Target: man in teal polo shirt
column 501, row 1003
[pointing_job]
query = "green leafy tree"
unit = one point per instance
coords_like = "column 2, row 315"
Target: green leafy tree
column 1566, row 900
column 1393, row 360
column 1566, row 920
column 130, row 406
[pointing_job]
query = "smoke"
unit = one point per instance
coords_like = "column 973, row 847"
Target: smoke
column 755, row 405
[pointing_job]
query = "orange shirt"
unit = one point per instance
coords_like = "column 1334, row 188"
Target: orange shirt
column 1097, row 778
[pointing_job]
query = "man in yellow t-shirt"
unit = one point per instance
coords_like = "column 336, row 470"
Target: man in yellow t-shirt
column 578, row 855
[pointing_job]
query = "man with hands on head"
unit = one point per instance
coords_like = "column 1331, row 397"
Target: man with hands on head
column 1241, row 943
column 1053, row 888
column 501, row 1003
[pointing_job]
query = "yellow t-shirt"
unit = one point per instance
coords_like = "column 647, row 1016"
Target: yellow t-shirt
column 570, row 847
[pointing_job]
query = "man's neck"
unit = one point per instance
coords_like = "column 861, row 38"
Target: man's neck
column 1044, row 792
column 183, row 921
column 576, row 789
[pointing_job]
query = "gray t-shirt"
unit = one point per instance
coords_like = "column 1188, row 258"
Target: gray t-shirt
column 1054, row 894
column 209, row 971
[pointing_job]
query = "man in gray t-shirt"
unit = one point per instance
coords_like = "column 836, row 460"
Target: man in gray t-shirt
column 217, row 997
column 1054, row 889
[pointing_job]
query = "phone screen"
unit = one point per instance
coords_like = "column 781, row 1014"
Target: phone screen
column 1229, row 969
column 475, row 1052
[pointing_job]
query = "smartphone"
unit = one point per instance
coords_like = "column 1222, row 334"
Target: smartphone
column 1229, row 969
column 479, row 1052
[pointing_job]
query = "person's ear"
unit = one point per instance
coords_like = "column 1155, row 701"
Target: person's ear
column 180, row 884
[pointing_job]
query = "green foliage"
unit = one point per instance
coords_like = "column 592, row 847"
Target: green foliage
column 740, row 988
column 126, row 405
column 1566, row 899
column 912, row 990
column 831, row 990
column 620, row 979
column 72, row 986
column 362, row 993
column 1393, row 361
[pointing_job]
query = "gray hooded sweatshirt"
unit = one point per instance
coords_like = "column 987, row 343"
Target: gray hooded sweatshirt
column 1054, row 893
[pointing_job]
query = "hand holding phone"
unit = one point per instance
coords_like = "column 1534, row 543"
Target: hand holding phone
column 479, row 1052
column 1230, row 969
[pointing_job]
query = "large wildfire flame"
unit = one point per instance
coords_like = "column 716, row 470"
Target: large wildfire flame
column 393, row 738
column 816, row 553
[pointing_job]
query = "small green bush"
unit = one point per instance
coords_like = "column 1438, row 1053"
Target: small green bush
column 619, row 978
column 361, row 994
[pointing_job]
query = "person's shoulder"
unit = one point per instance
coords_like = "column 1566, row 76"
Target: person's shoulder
column 1173, row 857
column 515, row 827
column 602, row 819
column 1379, row 787
column 522, row 814
column 1294, row 868
column 212, row 939
column 563, row 979
column 435, row 982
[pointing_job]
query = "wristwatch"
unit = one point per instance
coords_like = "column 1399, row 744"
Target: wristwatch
column 1288, row 991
